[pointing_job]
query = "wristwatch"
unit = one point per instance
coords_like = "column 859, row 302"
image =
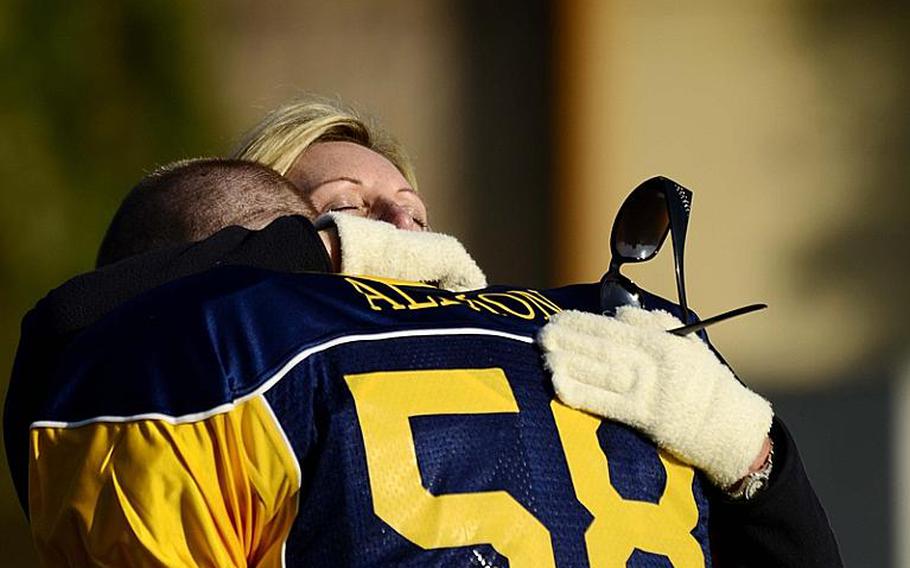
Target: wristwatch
column 753, row 483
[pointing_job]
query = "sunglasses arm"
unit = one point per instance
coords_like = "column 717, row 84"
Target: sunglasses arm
column 679, row 203
column 680, row 281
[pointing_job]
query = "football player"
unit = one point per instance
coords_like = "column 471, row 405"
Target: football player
column 238, row 386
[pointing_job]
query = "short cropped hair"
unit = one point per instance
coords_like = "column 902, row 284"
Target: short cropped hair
column 288, row 131
column 190, row 200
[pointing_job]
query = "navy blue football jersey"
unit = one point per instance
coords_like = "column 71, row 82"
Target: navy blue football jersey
column 245, row 417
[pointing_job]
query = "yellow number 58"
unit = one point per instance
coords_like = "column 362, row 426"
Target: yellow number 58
column 386, row 400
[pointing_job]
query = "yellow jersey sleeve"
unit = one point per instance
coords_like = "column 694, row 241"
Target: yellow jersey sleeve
column 220, row 490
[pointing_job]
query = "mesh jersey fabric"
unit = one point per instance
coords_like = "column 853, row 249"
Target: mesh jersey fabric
column 314, row 419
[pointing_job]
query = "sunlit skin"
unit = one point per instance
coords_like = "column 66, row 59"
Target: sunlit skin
column 343, row 176
column 762, row 456
column 347, row 177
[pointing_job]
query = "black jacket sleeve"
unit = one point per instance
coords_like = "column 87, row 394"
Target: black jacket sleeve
column 289, row 244
column 784, row 526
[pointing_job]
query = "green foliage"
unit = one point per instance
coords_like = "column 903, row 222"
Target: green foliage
column 92, row 96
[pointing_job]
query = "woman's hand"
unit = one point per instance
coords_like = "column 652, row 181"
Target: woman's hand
column 673, row 389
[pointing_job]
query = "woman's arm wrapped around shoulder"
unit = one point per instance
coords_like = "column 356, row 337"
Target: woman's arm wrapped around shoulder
column 677, row 392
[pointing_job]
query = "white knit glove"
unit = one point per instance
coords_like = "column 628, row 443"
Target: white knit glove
column 377, row 248
column 673, row 389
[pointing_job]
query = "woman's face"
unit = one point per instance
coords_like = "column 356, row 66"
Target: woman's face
column 347, row 177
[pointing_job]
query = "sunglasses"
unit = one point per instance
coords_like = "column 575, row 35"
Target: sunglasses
column 656, row 208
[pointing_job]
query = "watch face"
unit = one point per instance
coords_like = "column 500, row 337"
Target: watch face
column 753, row 486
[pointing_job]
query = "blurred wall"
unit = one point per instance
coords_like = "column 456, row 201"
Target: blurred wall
column 788, row 120
column 92, row 96
column 777, row 122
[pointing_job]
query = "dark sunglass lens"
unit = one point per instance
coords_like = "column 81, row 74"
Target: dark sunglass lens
column 641, row 225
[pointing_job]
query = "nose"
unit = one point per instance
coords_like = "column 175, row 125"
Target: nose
column 391, row 212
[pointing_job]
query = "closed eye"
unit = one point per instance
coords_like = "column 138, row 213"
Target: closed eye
column 416, row 211
column 347, row 204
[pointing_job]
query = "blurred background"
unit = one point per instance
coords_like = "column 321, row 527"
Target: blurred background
column 529, row 122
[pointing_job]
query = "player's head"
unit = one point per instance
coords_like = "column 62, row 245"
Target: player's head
column 338, row 159
column 190, row 200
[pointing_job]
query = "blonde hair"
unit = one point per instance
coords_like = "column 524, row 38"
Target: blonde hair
column 288, row 131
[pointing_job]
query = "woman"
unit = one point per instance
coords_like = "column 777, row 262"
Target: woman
column 344, row 163
column 340, row 163
column 303, row 138
column 298, row 139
